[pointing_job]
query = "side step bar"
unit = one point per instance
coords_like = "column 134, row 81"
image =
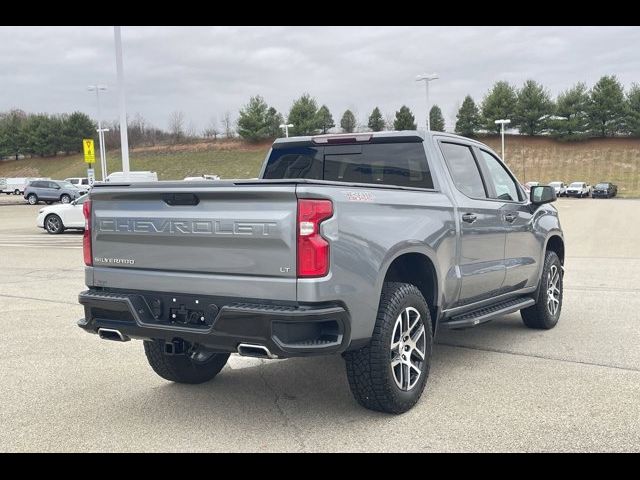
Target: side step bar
column 486, row 314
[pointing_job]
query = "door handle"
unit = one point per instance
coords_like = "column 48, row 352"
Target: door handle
column 469, row 217
column 510, row 217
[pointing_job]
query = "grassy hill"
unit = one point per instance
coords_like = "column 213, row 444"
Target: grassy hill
column 600, row 159
column 227, row 159
column 531, row 159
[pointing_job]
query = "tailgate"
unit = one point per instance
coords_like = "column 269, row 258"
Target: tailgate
column 225, row 229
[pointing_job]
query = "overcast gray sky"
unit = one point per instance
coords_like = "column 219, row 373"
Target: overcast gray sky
column 205, row 71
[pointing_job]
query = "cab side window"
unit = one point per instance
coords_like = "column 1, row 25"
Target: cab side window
column 464, row 169
column 503, row 184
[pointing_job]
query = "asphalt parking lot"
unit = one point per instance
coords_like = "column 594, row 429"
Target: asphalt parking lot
column 497, row 387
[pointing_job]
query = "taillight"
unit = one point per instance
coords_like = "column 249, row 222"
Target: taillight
column 86, row 238
column 313, row 250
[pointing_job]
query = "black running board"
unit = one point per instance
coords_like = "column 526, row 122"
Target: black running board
column 486, row 314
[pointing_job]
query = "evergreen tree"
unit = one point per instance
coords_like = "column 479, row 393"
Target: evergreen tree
column 499, row 103
column 404, row 119
column 303, row 116
column 348, row 122
column 376, row 122
column 533, row 108
column 253, row 123
column 571, row 108
column 324, row 119
column 468, row 118
column 633, row 111
column 607, row 107
column 436, row 120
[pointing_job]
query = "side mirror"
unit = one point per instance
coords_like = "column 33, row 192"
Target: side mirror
column 542, row 194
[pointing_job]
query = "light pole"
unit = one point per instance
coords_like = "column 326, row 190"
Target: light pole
column 124, row 138
column 100, row 130
column 427, row 77
column 286, row 127
column 502, row 123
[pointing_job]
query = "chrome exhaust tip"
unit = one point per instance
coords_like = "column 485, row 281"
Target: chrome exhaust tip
column 256, row 351
column 113, row 335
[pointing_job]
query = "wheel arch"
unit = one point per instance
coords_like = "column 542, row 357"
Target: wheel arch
column 415, row 265
column 555, row 243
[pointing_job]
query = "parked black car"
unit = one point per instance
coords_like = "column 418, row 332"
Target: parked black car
column 604, row 190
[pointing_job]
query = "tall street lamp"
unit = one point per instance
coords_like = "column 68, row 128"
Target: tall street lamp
column 502, row 123
column 286, row 127
column 103, row 152
column 124, row 139
column 427, row 77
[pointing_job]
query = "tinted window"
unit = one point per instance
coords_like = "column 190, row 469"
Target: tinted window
column 464, row 169
column 504, row 186
column 401, row 164
column 52, row 185
column 304, row 162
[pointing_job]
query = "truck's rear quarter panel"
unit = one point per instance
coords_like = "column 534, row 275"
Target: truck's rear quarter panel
column 369, row 229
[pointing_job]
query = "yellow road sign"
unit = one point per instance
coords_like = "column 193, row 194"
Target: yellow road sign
column 89, row 151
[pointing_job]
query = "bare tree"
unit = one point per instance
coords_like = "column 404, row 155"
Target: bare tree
column 227, row 125
column 176, row 126
column 191, row 131
column 211, row 131
column 389, row 118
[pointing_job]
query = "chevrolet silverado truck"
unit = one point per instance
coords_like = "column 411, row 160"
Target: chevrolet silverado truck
column 359, row 244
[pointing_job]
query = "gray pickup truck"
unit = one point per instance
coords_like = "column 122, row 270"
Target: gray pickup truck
column 360, row 244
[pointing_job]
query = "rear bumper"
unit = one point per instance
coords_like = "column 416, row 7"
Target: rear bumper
column 217, row 323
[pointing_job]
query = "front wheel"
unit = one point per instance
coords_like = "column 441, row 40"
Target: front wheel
column 390, row 373
column 53, row 224
column 194, row 366
column 545, row 313
column 65, row 198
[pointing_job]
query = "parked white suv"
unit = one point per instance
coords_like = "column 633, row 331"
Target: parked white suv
column 58, row 218
column 560, row 188
column 579, row 189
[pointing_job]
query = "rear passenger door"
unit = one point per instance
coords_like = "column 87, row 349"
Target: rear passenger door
column 482, row 233
column 50, row 192
column 522, row 248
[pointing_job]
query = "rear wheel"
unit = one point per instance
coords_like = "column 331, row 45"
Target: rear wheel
column 53, row 224
column 32, row 198
column 390, row 373
column 15, row 192
column 194, row 366
column 545, row 313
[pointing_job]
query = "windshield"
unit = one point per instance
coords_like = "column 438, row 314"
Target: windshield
column 576, row 185
column 602, row 185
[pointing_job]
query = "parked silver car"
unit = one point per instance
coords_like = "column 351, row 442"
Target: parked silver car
column 50, row 191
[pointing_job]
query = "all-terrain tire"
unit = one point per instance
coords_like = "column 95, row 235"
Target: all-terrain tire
column 371, row 377
column 539, row 316
column 182, row 368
